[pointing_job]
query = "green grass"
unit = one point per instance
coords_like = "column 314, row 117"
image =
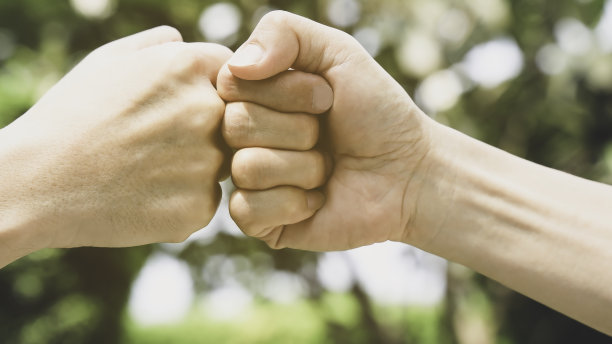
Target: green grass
column 301, row 322
column 298, row 322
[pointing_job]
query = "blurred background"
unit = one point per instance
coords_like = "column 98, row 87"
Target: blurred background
column 533, row 77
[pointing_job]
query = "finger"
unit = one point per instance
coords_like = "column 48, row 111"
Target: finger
column 192, row 59
column 260, row 213
column 263, row 168
column 289, row 91
column 148, row 38
column 252, row 125
column 213, row 56
column 283, row 40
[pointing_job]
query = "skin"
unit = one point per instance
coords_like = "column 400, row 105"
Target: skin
column 398, row 175
column 123, row 151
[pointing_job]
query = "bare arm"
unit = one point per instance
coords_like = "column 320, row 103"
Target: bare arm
column 398, row 175
column 542, row 232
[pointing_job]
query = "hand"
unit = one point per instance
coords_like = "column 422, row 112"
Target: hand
column 124, row 150
column 275, row 168
column 539, row 231
column 374, row 133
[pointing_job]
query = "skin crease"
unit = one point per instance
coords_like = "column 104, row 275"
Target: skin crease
column 398, row 175
column 123, row 151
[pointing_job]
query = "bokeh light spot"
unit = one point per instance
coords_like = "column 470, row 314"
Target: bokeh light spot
column 93, row 9
column 454, row 26
column 603, row 30
column 419, row 54
column 220, row 22
column 284, row 287
column 439, row 91
column 163, row 291
column 573, row 36
column 551, row 60
column 343, row 13
column 492, row 13
column 227, row 303
column 334, row 273
column 392, row 273
column 369, row 39
column 492, row 63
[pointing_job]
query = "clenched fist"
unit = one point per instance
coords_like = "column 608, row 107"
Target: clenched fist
column 358, row 186
column 123, row 151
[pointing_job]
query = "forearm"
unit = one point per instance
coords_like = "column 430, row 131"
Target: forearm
column 544, row 233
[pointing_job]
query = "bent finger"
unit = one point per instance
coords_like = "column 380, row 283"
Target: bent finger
column 190, row 60
column 263, row 168
column 289, row 91
column 259, row 213
column 252, row 125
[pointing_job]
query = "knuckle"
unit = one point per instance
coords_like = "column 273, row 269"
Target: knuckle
column 240, row 211
column 236, row 123
column 227, row 84
column 244, row 167
column 170, row 32
column 215, row 107
column 223, row 51
column 204, row 106
column 184, row 62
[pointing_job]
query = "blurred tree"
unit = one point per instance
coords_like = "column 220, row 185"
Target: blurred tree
column 562, row 119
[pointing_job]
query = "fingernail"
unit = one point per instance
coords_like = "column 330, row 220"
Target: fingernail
column 247, row 55
column 315, row 200
column 322, row 98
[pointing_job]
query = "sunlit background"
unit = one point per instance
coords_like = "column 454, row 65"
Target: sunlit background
column 533, row 77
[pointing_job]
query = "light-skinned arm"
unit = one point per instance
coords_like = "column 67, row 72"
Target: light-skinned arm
column 123, row 151
column 398, row 175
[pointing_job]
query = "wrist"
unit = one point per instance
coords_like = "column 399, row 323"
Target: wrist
column 19, row 222
column 411, row 168
column 429, row 192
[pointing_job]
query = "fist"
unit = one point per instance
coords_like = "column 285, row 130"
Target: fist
column 274, row 125
column 124, row 150
column 374, row 134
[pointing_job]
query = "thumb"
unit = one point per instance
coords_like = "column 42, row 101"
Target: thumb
column 283, row 40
